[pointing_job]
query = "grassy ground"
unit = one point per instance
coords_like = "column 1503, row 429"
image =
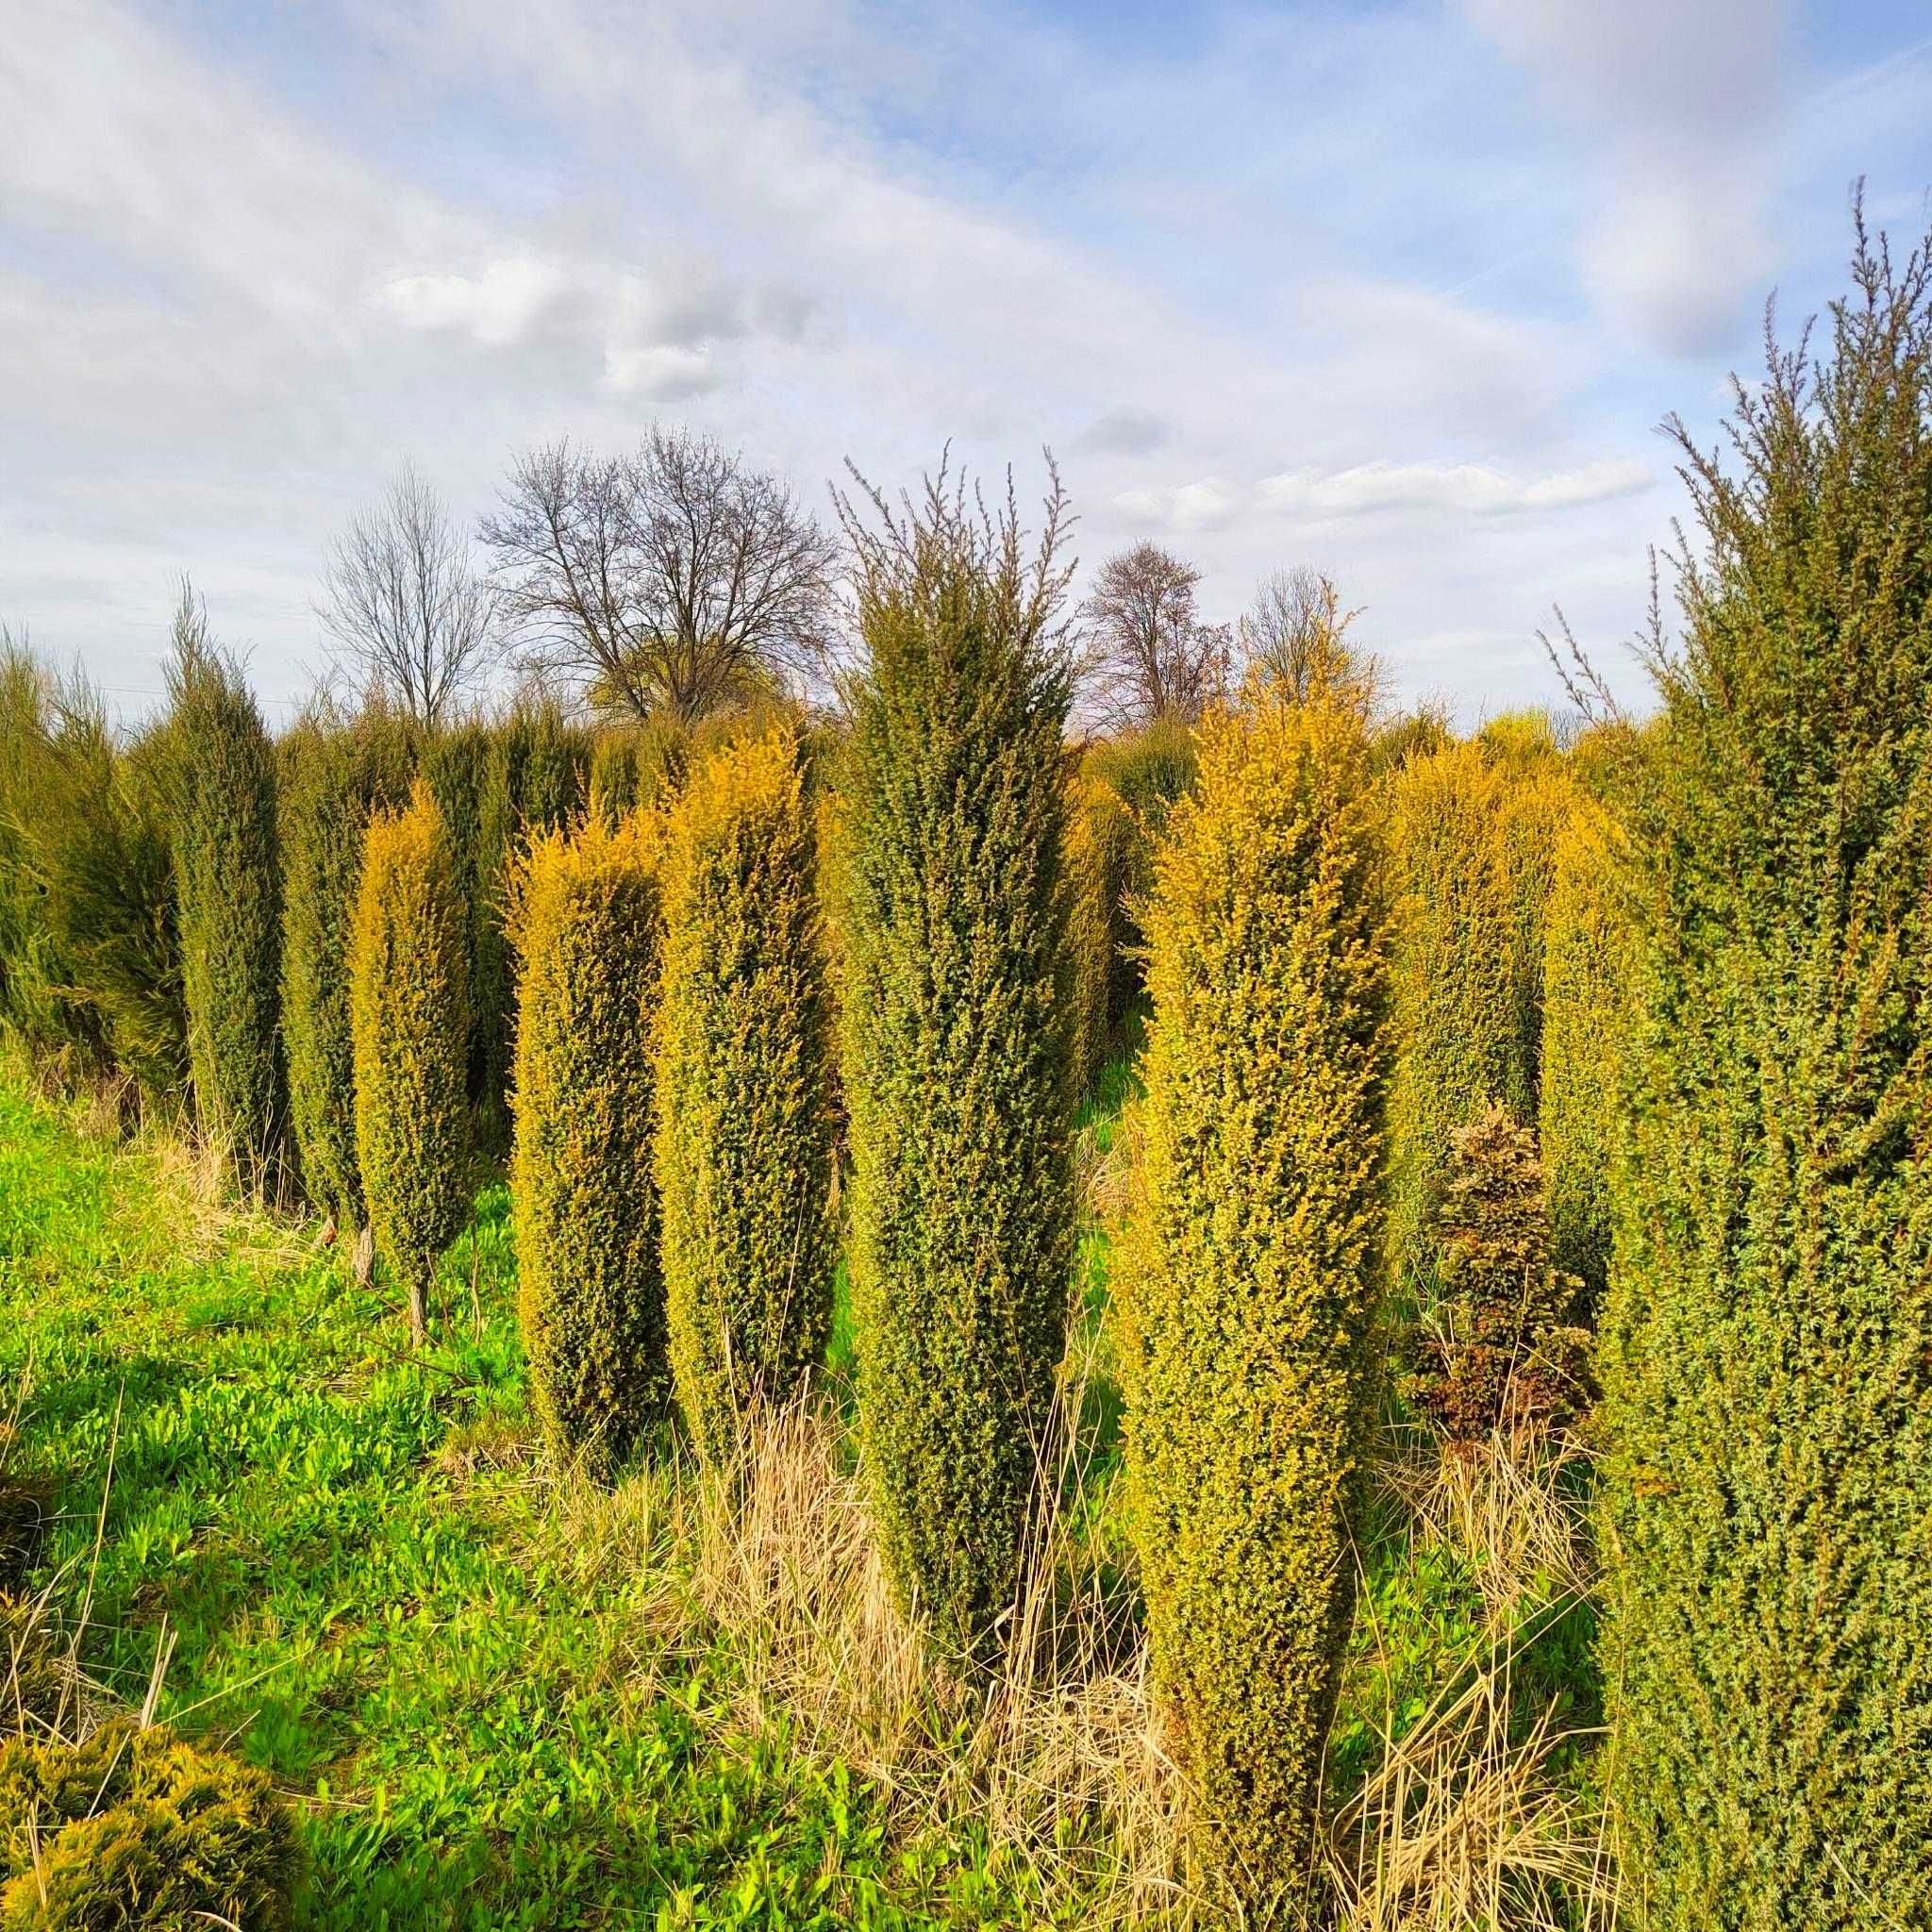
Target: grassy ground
column 498, row 1705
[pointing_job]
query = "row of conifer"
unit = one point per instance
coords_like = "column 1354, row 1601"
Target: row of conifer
column 1473, row 1044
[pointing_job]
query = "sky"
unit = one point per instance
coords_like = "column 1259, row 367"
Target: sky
column 1398, row 291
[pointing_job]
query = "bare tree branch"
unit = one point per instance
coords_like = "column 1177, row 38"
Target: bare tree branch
column 1145, row 652
column 1294, row 639
column 400, row 597
column 673, row 579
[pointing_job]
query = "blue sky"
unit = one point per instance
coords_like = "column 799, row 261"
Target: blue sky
column 1400, row 292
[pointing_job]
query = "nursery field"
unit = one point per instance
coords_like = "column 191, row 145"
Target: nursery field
column 500, row 1699
column 731, row 1301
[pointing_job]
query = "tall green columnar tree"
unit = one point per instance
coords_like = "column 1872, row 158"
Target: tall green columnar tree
column 1767, row 1343
column 456, row 762
column 745, row 1105
column 1253, row 1262
column 334, row 773
column 532, row 782
column 407, row 1023
column 227, row 866
column 1457, row 984
column 957, row 1055
column 590, row 1287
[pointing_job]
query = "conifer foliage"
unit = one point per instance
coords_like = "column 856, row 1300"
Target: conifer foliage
column 1460, row 972
column 1499, row 1351
column 744, row 1125
column 332, row 775
column 585, row 921
column 408, row 1024
column 228, row 881
column 1253, row 1261
column 956, row 1050
column 1767, row 1345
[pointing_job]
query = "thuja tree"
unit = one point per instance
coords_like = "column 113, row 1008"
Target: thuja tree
column 590, row 1288
column 956, row 1050
column 227, row 870
column 744, row 1103
column 1252, row 1263
column 408, row 1023
column 1768, row 1335
column 334, row 772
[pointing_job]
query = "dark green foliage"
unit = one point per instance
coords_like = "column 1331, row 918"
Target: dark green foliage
column 137, row 1827
column 35, row 1010
column 1766, row 1351
column 456, row 763
column 1499, row 1349
column 228, row 880
column 1252, row 1266
column 334, row 773
column 957, row 1052
column 590, row 1282
column 407, row 1025
column 533, row 781
column 745, row 1144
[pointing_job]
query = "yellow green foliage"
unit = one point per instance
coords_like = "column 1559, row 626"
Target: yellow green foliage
column 744, row 1145
column 1471, row 845
column 409, row 1025
column 1500, row 1349
column 585, row 924
column 955, row 1054
column 135, row 1828
column 1586, row 1022
column 1252, row 1262
column 332, row 775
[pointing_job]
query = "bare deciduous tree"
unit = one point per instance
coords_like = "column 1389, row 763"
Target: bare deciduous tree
column 1146, row 653
column 400, row 596
column 673, row 579
column 1295, row 639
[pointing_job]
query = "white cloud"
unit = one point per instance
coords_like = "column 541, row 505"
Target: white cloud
column 1679, row 106
column 496, row 307
column 1460, row 489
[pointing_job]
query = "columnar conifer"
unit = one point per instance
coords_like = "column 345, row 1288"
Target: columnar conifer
column 228, row 868
column 585, row 922
column 334, row 772
column 744, row 1123
column 1252, row 1260
column 1459, row 995
column 408, row 1023
column 955, row 1049
column 1767, row 1343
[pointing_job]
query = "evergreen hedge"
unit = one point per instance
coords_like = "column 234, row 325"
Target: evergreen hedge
column 228, row 882
column 589, row 1281
column 1767, row 1343
column 1586, row 1023
column 408, row 1023
column 1251, row 1267
column 956, row 1050
column 333, row 774
column 744, row 1148
column 1459, row 984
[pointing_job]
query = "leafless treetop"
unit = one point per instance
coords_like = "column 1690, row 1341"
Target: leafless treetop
column 401, row 598
column 1295, row 639
column 672, row 579
column 1146, row 652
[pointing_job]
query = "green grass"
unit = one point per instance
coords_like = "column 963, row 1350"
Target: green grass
column 369, row 1591
column 370, row 1609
